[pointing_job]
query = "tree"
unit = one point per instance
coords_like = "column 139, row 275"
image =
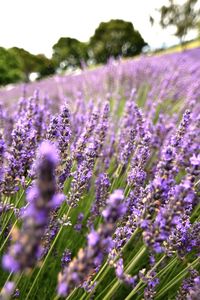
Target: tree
column 44, row 66
column 29, row 62
column 113, row 39
column 10, row 67
column 33, row 63
column 183, row 17
column 198, row 28
column 69, row 52
column 16, row 64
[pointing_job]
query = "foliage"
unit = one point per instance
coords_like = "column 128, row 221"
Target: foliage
column 113, row 39
column 44, row 66
column 33, row 63
column 183, row 17
column 27, row 60
column 69, row 52
column 16, row 64
column 10, row 67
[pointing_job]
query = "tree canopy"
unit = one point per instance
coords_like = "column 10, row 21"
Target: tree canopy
column 115, row 38
column 33, row 63
column 183, row 17
column 10, row 67
column 16, row 64
column 44, row 66
column 28, row 61
column 69, row 52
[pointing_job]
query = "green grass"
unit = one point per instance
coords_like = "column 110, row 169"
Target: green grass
column 178, row 48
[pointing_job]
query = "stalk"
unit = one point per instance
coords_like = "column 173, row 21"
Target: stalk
column 177, row 279
column 127, row 270
column 47, row 256
column 12, row 213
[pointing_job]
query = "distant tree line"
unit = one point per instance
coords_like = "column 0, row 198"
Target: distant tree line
column 116, row 38
column 17, row 64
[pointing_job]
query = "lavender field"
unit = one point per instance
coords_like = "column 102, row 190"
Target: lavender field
column 100, row 183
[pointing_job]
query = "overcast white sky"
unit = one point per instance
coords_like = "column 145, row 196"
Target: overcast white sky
column 37, row 24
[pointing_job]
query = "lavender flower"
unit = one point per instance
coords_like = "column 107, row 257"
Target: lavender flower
column 99, row 243
column 63, row 139
column 66, row 258
column 85, row 136
column 52, row 131
column 190, row 287
column 64, row 132
column 102, row 189
column 22, row 152
column 2, row 153
column 8, row 290
column 78, row 225
column 101, row 130
column 122, row 276
column 42, row 198
column 82, row 176
column 152, row 282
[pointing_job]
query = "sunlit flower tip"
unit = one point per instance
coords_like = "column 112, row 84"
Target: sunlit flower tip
column 117, row 195
column 57, row 200
column 195, row 160
column 9, row 288
column 32, row 194
column 115, row 207
column 119, row 269
column 9, row 263
column 197, row 280
column 93, row 238
column 49, row 151
column 66, row 258
column 62, row 289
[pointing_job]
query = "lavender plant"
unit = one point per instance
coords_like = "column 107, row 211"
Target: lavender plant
column 100, row 183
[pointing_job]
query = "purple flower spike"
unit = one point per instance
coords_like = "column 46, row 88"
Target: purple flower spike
column 42, row 200
column 99, row 243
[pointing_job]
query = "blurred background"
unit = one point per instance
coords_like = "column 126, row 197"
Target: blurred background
column 39, row 38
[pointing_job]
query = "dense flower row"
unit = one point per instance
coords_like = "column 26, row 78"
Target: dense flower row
column 100, row 183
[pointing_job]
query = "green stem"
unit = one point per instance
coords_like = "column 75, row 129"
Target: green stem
column 139, row 286
column 71, row 294
column 117, row 175
column 176, row 279
column 8, row 278
column 47, row 256
column 106, row 268
column 83, row 296
column 135, row 290
column 44, row 262
column 135, row 259
column 195, row 211
column 8, row 236
column 12, row 213
column 127, row 270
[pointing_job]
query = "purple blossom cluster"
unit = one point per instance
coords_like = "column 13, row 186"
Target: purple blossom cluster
column 190, row 289
column 26, row 247
column 99, row 243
